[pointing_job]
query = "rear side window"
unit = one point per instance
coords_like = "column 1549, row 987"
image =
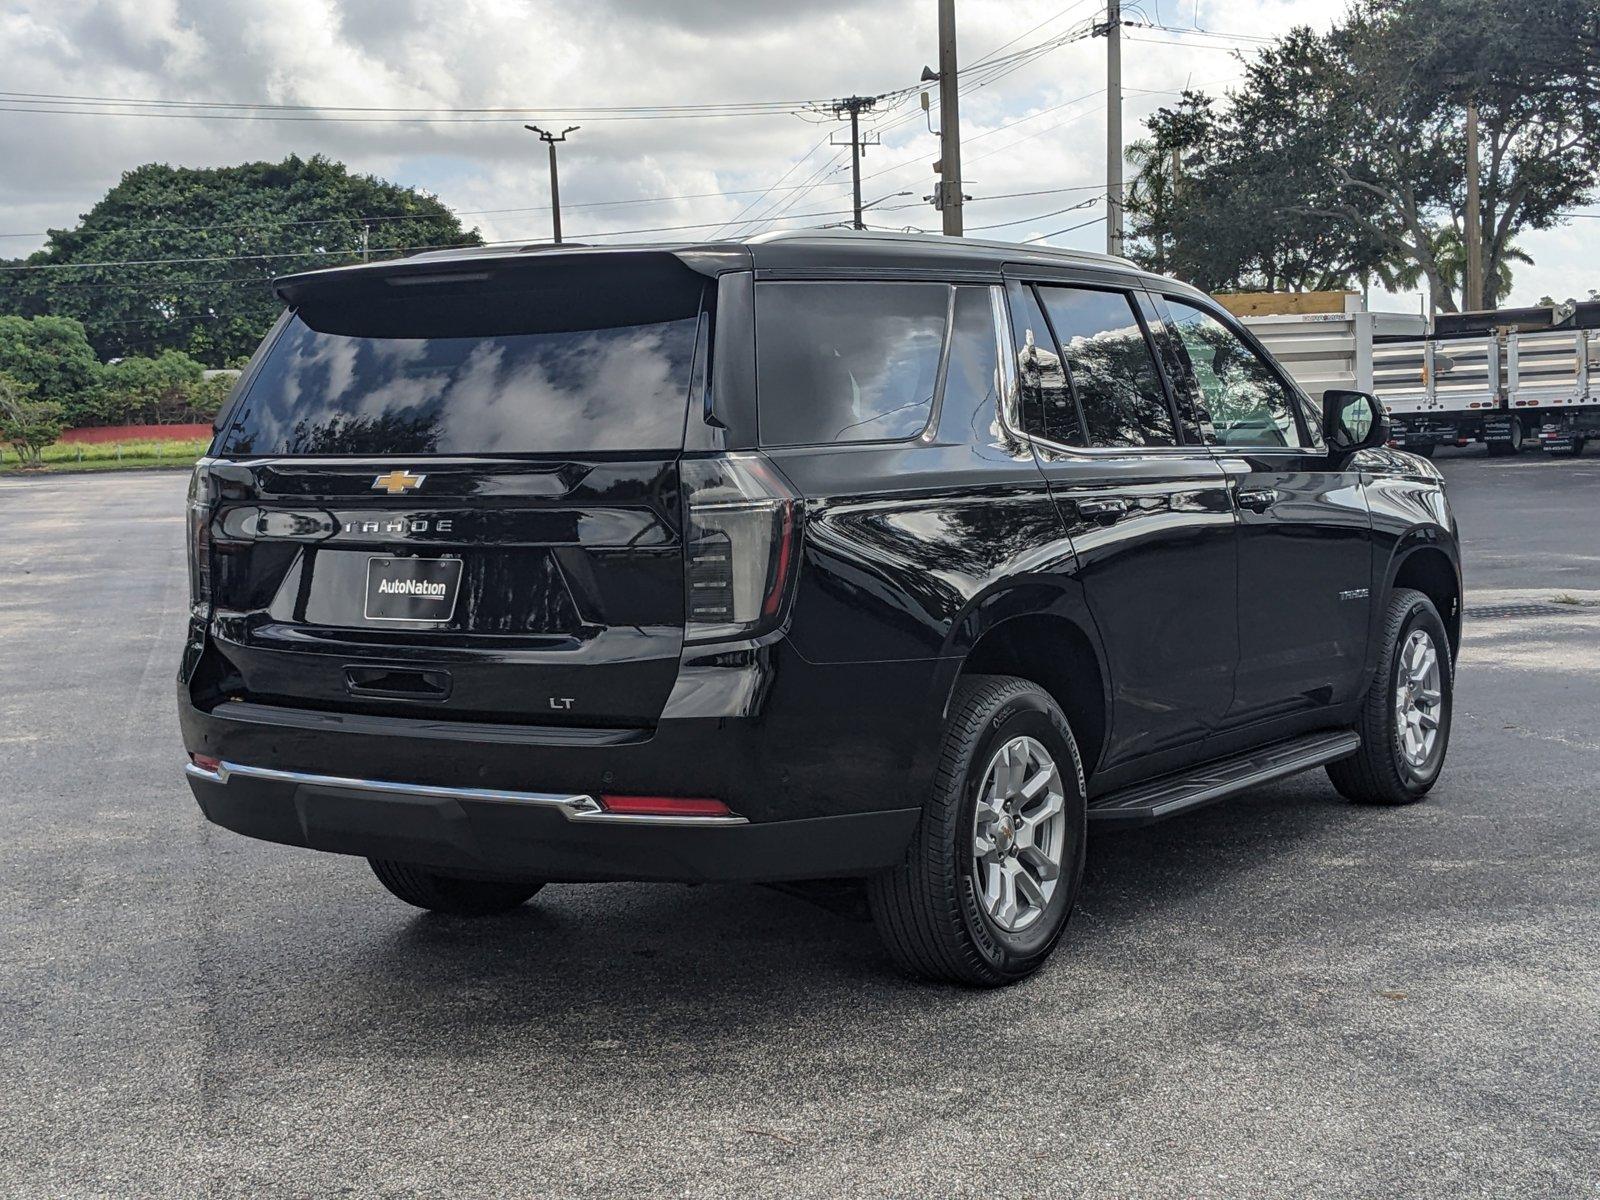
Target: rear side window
column 1112, row 371
column 547, row 371
column 847, row 362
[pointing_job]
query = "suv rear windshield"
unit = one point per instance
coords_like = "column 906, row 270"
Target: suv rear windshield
column 453, row 370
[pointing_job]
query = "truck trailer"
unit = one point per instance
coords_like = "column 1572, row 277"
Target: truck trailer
column 1509, row 378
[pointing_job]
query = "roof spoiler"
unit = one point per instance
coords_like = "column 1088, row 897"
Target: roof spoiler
column 476, row 264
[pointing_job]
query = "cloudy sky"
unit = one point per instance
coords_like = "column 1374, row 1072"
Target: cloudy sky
column 1036, row 129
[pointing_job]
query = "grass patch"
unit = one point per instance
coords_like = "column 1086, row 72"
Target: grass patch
column 126, row 456
column 1575, row 601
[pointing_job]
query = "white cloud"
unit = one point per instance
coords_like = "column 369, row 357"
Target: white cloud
column 1021, row 135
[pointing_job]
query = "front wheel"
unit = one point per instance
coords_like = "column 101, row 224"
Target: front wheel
column 1405, row 720
column 994, row 869
column 427, row 888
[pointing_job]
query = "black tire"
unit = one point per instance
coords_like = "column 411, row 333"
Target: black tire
column 1514, row 446
column 927, row 910
column 1380, row 772
column 459, row 897
column 1424, row 451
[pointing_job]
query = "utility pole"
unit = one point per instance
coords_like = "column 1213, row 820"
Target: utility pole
column 550, row 140
column 949, row 193
column 366, row 237
column 1113, row 32
column 855, row 106
column 1473, row 301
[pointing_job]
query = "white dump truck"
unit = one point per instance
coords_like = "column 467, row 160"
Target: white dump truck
column 1510, row 378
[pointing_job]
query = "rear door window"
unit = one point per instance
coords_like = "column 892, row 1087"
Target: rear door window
column 847, row 362
column 1047, row 406
column 1110, row 366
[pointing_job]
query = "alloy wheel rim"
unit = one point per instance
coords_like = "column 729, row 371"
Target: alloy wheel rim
column 1418, row 700
column 1018, row 834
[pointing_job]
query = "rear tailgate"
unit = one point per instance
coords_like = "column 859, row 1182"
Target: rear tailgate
column 460, row 499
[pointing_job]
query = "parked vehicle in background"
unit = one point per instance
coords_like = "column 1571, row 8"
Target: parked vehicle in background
column 810, row 557
column 1329, row 340
column 1510, row 378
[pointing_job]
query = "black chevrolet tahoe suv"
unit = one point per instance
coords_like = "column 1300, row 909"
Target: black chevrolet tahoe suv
column 820, row 556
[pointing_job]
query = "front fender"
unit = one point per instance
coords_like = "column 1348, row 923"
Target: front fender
column 1410, row 516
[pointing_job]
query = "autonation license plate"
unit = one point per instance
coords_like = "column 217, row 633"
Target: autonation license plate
column 412, row 589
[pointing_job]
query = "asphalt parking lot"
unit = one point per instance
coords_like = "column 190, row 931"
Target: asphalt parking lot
column 1278, row 996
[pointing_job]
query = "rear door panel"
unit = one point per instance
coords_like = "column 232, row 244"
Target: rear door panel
column 1153, row 531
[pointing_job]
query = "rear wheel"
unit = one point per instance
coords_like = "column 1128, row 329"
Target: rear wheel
column 451, row 894
column 1405, row 721
column 1514, row 446
column 994, row 870
column 1425, row 450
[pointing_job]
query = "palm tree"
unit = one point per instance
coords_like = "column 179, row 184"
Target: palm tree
column 1450, row 252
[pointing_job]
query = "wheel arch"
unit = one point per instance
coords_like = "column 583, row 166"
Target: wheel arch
column 1047, row 637
column 1427, row 568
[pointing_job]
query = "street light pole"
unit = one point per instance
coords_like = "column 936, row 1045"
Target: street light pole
column 550, row 140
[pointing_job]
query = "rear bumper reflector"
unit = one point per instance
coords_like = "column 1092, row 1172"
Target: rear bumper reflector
column 664, row 806
column 644, row 810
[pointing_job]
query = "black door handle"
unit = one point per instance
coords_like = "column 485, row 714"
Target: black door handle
column 1257, row 499
column 1105, row 509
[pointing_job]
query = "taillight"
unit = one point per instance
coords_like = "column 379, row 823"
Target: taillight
column 200, row 542
column 740, row 545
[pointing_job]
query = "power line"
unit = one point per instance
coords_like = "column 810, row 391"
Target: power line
column 793, row 167
column 1000, row 129
column 155, row 285
column 779, row 208
column 1069, row 229
column 83, row 105
column 517, row 110
column 1089, row 203
column 1195, row 45
column 1258, row 38
column 387, row 120
column 1028, row 32
column 470, row 212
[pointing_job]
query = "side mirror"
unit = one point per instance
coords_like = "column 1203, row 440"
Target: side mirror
column 1353, row 421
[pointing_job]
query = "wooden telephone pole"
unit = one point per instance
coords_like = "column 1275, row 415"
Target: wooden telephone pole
column 949, row 195
column 1113, row 31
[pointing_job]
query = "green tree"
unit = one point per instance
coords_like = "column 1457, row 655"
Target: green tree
column 233, row 228
column 1220, row 197
column 1450, row 256
column 27, row 424
column 1342, row 156
column 1414, row 67
column 51, row 356
column 162, row 390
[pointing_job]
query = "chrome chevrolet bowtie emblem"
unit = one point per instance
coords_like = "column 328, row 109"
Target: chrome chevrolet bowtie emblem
column 399, row 481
